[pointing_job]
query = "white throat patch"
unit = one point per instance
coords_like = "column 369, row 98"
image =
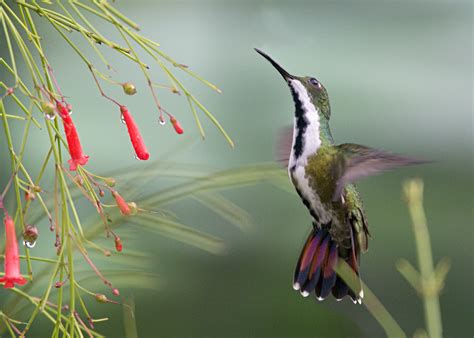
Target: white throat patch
column 311, row 144
column 311, row 115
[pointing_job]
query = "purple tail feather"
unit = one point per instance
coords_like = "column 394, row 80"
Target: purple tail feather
column 315, row 271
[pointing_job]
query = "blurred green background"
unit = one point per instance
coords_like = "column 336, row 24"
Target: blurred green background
column 399, row 76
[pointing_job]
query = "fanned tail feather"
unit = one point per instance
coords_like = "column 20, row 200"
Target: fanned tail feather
column 316, row 266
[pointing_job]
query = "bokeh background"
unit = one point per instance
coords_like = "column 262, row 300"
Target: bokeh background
column 399, row 76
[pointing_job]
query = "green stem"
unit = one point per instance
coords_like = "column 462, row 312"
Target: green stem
column 84, row 34
column 15, row 180
column 3, row 17
column 371, row 302
column 413, row 190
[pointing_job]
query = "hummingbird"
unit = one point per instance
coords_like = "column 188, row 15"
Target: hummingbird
column 323, row 174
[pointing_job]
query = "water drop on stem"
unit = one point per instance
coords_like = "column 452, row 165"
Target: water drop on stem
column 29, row 244
column 50, row 117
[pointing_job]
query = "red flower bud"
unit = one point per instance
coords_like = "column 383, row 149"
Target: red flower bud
column 118, row 244
column 73, row 142
column 116, row 292
column 176, row 125
column 29, row 195
column 123, row 206
column 12, row 258
column 134, row 133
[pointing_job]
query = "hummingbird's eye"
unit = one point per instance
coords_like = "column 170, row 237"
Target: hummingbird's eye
column 314, row 82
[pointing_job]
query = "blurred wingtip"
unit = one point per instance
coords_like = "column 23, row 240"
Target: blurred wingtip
column 282, row 150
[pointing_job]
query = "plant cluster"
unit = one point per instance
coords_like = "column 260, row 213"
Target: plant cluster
column 32, row 98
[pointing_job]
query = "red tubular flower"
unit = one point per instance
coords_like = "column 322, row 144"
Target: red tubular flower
column 176, row 125
column 74, row 145
column 122, row 204
column 118, row 244
column 134, row 133
column 12, row 258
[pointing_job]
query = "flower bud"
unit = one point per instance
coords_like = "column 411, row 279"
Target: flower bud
column 30, row 234
column 110, row 181
column 101, row 298
column 47, row 108
column 72, row 137
column 129, row 88
column 135, row 137
column 29, row 196
column 36, row 188
column 118, row 244
column 122, row 205
column 133, row 208
column 116, row 292
column 176, row 125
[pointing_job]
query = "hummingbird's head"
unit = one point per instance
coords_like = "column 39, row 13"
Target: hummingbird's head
column 304, row 88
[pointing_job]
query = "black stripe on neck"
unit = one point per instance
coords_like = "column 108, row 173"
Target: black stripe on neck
column 301, row 124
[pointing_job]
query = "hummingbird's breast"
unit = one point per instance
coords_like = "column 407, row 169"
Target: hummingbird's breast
column 310, row 197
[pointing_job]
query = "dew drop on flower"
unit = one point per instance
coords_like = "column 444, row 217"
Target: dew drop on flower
column 162, row 122
column 29, row 244
column 122, row 119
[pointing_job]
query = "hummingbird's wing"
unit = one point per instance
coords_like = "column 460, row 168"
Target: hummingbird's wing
column 283, row 145
column 355, row 161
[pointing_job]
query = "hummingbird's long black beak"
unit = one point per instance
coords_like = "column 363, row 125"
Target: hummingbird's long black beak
column 287, row 76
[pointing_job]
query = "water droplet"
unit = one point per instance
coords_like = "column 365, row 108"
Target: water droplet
column 50, row 117
column 29, row 244
column 137, row 158
column 122, row 119
column 162, row 122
